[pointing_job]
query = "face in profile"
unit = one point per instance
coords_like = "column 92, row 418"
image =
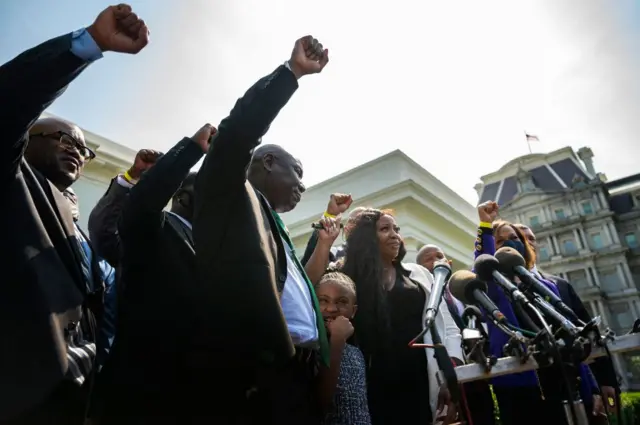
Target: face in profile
column 286, row 179
column 388, row 237
column 430, row 257
column 530, row 237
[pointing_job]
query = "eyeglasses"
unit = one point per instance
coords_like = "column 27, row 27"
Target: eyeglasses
column 69, row 142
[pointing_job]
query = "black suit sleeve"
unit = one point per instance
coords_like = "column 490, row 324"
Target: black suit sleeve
column 146, row 200
column 602, row 367
column 311, row 246
column 28, row 85
column 103, row 222
column 224, row 169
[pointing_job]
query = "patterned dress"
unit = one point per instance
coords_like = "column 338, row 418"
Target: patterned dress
column 350, row 401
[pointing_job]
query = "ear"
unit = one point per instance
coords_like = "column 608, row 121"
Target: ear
column 355, row 310
column 267, row 162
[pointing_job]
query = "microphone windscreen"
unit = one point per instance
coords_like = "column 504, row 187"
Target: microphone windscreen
column 509, row 259
column 485, row 265
column 462, row 284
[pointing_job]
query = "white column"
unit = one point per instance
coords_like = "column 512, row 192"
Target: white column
column 603, row 200
column 614, row 232
column 578, row 239
column 628, row 274
column 555, row 244
column 597, row 205
column 587, row 271
column 607, row 230
column 635, row 308
column 574, row 207
column 621, row 276
column 596, row 277
column 594, row 309
column 552, row 250
column 544, row 215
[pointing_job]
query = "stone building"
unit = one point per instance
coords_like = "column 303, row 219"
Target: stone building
column 587, row 230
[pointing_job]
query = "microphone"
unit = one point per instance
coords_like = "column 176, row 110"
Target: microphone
column 319, row 226
column 512, row 263
column 465, row 286
column 441, row 273
column 487, row 266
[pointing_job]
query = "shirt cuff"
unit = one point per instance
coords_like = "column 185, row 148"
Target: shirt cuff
column 84, row 46
column 123, row 182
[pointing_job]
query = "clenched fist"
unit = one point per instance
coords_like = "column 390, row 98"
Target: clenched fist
column 144, row 160
column 339, row 203
column 118, row 29
column 340, row 328
column 488, row 211
column 204, row 135
column 308, row 57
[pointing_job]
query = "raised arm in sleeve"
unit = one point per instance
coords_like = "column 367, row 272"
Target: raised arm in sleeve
column 224, row 169
column 103, row 222
column 30, row 82
column 143, row 208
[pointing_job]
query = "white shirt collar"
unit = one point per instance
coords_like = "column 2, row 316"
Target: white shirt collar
column 182, row 219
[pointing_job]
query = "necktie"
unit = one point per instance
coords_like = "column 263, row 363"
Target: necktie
column 322, row 332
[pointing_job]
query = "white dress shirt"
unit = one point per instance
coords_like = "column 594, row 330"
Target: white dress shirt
column 297, row 305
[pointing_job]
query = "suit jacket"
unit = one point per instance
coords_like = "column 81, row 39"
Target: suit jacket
column 602, row 367
column 103, row 222
column 240, row 255
column 144, row 374
column 43, row 288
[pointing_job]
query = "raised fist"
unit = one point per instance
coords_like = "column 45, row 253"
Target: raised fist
column 488, row 211
column 204, row 135
column 144, row 160
column 338, row 203
column 118, row 29
column 308, row 57
column 340, row 328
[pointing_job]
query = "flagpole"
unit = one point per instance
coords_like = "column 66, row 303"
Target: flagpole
column 526, row 136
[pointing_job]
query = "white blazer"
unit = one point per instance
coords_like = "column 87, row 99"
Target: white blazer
column 446, row 327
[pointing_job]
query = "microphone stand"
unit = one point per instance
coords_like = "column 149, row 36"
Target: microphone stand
column 573, row 407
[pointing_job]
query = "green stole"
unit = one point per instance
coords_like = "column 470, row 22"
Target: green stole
column 322, row 332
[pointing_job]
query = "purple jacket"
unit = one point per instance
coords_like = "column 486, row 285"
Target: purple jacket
column 485, row 244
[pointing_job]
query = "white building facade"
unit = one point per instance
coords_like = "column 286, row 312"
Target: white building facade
column 427, row 211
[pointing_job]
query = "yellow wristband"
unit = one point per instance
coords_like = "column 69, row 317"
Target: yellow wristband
column 486, row 225
column 326, row 214
column 128, row 177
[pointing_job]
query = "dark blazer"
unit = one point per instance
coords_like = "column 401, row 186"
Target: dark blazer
column 42, row 289
column 240, row 255
column 602, row 367
column 143, row 376
column 103, row 222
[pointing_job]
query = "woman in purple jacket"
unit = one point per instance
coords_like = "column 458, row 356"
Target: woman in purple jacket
column 534, row 396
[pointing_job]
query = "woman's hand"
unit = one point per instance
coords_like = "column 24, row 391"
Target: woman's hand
column 330, row 230
column 488, row 211
column 446, row 412
column 340, row 329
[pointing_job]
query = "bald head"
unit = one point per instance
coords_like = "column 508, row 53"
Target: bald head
column 278, row 176
column 352, row 220
column 428, row 255
column 57, row 149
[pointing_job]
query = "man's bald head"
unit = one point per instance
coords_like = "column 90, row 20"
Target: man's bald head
column 57, row 149
column 278, row 176
column 352, row 220
column 428, row 255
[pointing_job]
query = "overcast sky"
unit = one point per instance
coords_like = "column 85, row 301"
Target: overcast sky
column 452, row 84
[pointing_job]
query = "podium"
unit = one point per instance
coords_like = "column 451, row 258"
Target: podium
column 509, row 365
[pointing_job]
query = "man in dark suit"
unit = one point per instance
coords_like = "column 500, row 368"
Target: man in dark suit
column 47, row 305
column 145, row 376
column 477, row 394
column 103, row 220
column 261, row 324
column 602, row 367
